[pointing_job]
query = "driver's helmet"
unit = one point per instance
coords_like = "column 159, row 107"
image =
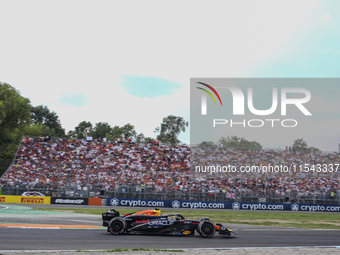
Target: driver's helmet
column 157, row 212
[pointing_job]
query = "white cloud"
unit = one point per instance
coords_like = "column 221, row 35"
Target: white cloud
column 326, row 18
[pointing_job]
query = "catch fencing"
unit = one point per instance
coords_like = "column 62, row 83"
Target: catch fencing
column 130, row 192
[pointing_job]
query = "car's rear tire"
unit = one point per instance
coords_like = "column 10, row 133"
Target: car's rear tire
column 117, row 226
column 206, row 228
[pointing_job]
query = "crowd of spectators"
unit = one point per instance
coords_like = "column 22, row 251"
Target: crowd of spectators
column 153, row 167
column 296, row 174
column 101, row 165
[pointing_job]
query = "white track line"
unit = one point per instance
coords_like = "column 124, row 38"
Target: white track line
column 254, row 248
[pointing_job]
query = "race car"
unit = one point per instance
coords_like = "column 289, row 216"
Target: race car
column 151, row 222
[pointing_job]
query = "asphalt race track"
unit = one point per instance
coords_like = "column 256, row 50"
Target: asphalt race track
column 70, row 239
column 33, row 237
column 58, row 239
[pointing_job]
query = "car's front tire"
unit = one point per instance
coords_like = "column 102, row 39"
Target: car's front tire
column 206, row 228
column 117, row 226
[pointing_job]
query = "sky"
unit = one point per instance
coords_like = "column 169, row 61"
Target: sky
column 131, row 61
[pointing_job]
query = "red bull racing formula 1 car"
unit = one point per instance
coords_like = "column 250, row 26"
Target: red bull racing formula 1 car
column 151, row 222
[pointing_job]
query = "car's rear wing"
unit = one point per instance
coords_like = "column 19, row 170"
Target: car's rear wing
column 110, row 214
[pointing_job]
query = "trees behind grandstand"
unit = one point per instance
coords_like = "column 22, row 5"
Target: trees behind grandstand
column 301, row 145
column 103, row 129
column 15, row 117
column 81, row 130
column 239, row 143
column 18, row 118
column 39, row 130
column 85, row 128
column 170, row 129
column 45, row 121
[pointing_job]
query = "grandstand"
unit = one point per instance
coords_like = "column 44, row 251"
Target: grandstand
column 80, row 168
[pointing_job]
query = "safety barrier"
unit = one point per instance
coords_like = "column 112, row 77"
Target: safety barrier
column 95, row 201
column 69, row 201
column 25, row 199
column 50, row 200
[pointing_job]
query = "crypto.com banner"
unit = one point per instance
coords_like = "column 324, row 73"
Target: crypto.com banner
column 220, row 205
column 273, row 112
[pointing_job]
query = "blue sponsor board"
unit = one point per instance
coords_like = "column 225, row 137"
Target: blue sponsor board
column 138, row 202
column 220, row 205
column 285, row 207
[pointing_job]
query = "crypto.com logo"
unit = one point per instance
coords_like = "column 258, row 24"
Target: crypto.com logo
column 176, row 204
column 114, row 202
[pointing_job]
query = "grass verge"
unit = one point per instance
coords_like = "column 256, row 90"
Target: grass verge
column 134, row 249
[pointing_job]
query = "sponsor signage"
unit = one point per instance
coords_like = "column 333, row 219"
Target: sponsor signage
column 25, row 199
column 137, row 202
column 220, row 205
column 32, row 200
column 287, row 207
column 69, row 201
